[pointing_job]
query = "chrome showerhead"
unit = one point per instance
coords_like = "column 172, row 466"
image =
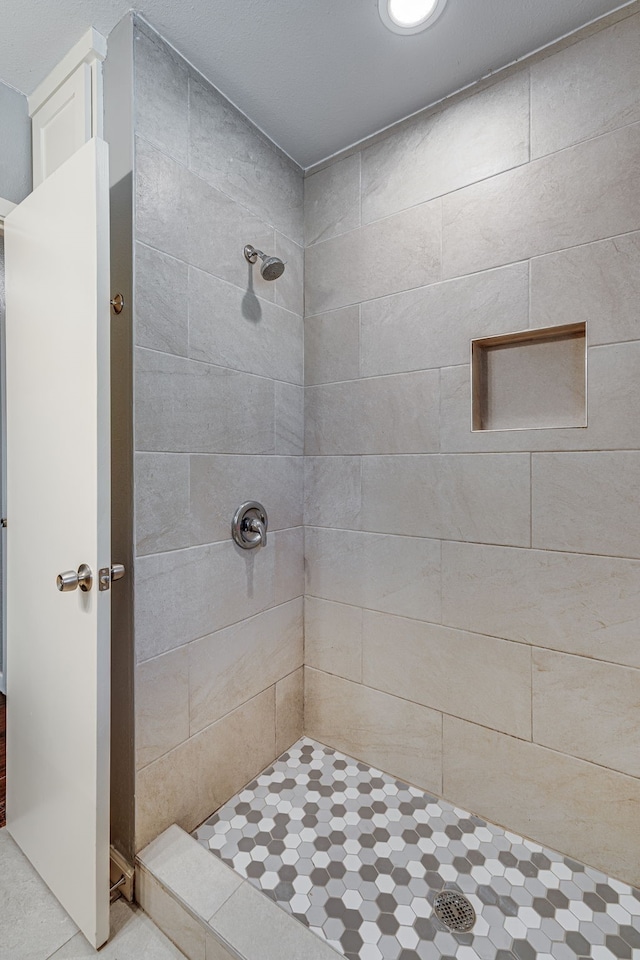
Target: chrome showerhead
column 272, row 267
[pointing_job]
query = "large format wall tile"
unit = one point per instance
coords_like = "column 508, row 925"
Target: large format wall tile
column 397, row 414
column 468, row 141
column 161, row 96
column 289, row 412
column 399, row 737
column 332, row 200
column 161, row 299
column 289, row 564
column 563, row 601
column 469, row 497
column 395, row 254
column 183, row 501
column 235, row 664
column 232, row 329
column 613, row 410
column 188, row 594
column 218, row 229
column 586, row 90
column 332, row 346
column 587, row 192
column 332, row 495
column 162, row 502
column 184, row 406
column 210, row 232
column 333, row 638
column 162, row 187
column 289, row 287
column 587, row 709
column 289, row 709
column 587, row 502
column 578, row 808
column 220, row 484
column 432, row 326
column 470, row 676
column 392, row 574
column 598, row 283
column 161, row 704
column 228, row 151
column 187, row 783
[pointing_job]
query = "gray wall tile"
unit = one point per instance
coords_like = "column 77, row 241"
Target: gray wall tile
column 587, row 709
column 464, row 674
column 586, row 90
column 481, row 498
column 396, row 414
column 161, row 97
column 587, row 192
column 433, row 326
column 235, row 664
column 387, row 573
column 161, row 299
column 184, row 500
column 162, row 187
column 567, row 602
column 332, row 200
column 185, row 406
column 460, row 144
column 201, row 774
column 332, row 492
column 598, row 283
column 395, row 254
column 587, row 502
column 332, row 346
column 216, row 585
column 226, row 150
column 395, row 735
column 289, row 414
column 231, row 328
column 333, row 638
column 289, row 288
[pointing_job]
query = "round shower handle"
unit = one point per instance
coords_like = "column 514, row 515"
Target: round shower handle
column 249, row 525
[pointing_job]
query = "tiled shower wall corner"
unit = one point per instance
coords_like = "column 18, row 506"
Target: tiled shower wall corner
column 218, row 420
column 472, row 619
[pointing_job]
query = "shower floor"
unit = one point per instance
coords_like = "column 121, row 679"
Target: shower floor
column 358, row 857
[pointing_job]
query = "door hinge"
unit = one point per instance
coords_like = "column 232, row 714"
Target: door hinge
column 117, row 303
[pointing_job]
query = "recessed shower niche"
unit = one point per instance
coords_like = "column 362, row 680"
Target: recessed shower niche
column 533, row 379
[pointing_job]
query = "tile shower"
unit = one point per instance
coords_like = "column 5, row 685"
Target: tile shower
column 471, row 600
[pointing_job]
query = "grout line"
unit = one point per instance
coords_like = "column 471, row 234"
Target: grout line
column 476, row 633
column 554, row 551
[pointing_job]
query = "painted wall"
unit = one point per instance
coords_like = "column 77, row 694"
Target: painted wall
column 472, row 617
column 218, row 397
column 15, row 145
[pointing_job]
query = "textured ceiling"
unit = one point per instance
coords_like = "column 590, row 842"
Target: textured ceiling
column 315, row 75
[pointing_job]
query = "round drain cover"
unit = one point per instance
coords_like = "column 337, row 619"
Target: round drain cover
column 454, row 910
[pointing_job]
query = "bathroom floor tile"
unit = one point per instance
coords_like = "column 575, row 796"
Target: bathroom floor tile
column 359, row 857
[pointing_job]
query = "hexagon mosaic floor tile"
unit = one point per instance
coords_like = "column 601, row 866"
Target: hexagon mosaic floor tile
column 359, row 858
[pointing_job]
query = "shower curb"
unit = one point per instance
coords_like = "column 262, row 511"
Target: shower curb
column 212, row 913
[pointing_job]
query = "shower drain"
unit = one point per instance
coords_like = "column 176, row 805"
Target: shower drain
column 454, row 910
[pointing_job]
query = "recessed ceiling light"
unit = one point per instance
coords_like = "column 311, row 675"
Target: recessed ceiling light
column 409, row 16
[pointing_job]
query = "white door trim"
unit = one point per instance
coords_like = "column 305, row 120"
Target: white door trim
column 90, row 48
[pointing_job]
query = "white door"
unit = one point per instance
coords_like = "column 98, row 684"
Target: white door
column 58, row 517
